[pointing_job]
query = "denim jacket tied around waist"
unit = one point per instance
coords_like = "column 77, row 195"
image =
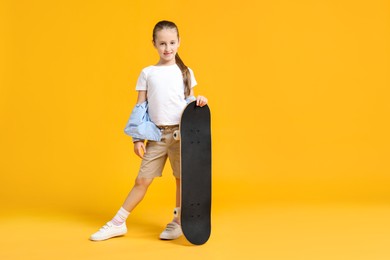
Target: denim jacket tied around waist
column 140, row 127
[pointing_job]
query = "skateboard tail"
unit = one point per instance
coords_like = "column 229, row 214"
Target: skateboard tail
column 194, row 233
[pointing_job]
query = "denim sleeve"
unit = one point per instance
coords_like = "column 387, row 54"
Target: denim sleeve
column 190, row 99
column 136, row 118
column 137, row 140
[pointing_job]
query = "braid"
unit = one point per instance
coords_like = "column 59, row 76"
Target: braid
column 186, row 75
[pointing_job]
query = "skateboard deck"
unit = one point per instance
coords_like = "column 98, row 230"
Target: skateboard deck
column 195, row 143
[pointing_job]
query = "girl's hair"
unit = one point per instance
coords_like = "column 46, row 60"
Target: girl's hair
column 184, row 69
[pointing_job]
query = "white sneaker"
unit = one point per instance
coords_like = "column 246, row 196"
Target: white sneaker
column 172, row 231
column 109, row 230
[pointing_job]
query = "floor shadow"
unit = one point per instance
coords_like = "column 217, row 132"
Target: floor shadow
column 182, row 241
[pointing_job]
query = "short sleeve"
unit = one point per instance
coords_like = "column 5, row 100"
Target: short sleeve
column 193, row 80
column 142, row 82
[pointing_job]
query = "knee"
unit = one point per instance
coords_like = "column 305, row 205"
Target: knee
column 143, row 182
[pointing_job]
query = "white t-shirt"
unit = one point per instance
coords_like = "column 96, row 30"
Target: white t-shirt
column 165, row 92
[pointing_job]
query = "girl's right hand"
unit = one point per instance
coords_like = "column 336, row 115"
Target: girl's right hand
column 139, row 149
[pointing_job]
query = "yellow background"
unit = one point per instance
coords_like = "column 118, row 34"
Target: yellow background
column 299, row 94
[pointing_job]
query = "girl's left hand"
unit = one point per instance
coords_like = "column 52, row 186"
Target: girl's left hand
column 201, row 101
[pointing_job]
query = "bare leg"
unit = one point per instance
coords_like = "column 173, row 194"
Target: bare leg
column 178, row 198
column 178, row 191
column 137, row 193
column 117, row 227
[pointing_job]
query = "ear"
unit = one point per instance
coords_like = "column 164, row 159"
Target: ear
column 154, row 44
column 178, row 42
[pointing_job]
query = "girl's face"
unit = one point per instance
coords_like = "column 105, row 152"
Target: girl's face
column 167, row 43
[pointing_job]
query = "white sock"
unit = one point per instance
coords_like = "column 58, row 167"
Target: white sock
column 120, row 217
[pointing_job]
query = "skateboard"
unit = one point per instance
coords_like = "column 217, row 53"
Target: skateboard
column 195, row 150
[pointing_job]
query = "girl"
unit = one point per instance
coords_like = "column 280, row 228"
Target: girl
column 164, row 90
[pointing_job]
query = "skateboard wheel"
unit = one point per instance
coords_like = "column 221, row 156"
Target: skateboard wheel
column 176, row 135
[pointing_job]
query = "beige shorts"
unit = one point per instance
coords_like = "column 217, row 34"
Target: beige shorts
column 157, row 153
